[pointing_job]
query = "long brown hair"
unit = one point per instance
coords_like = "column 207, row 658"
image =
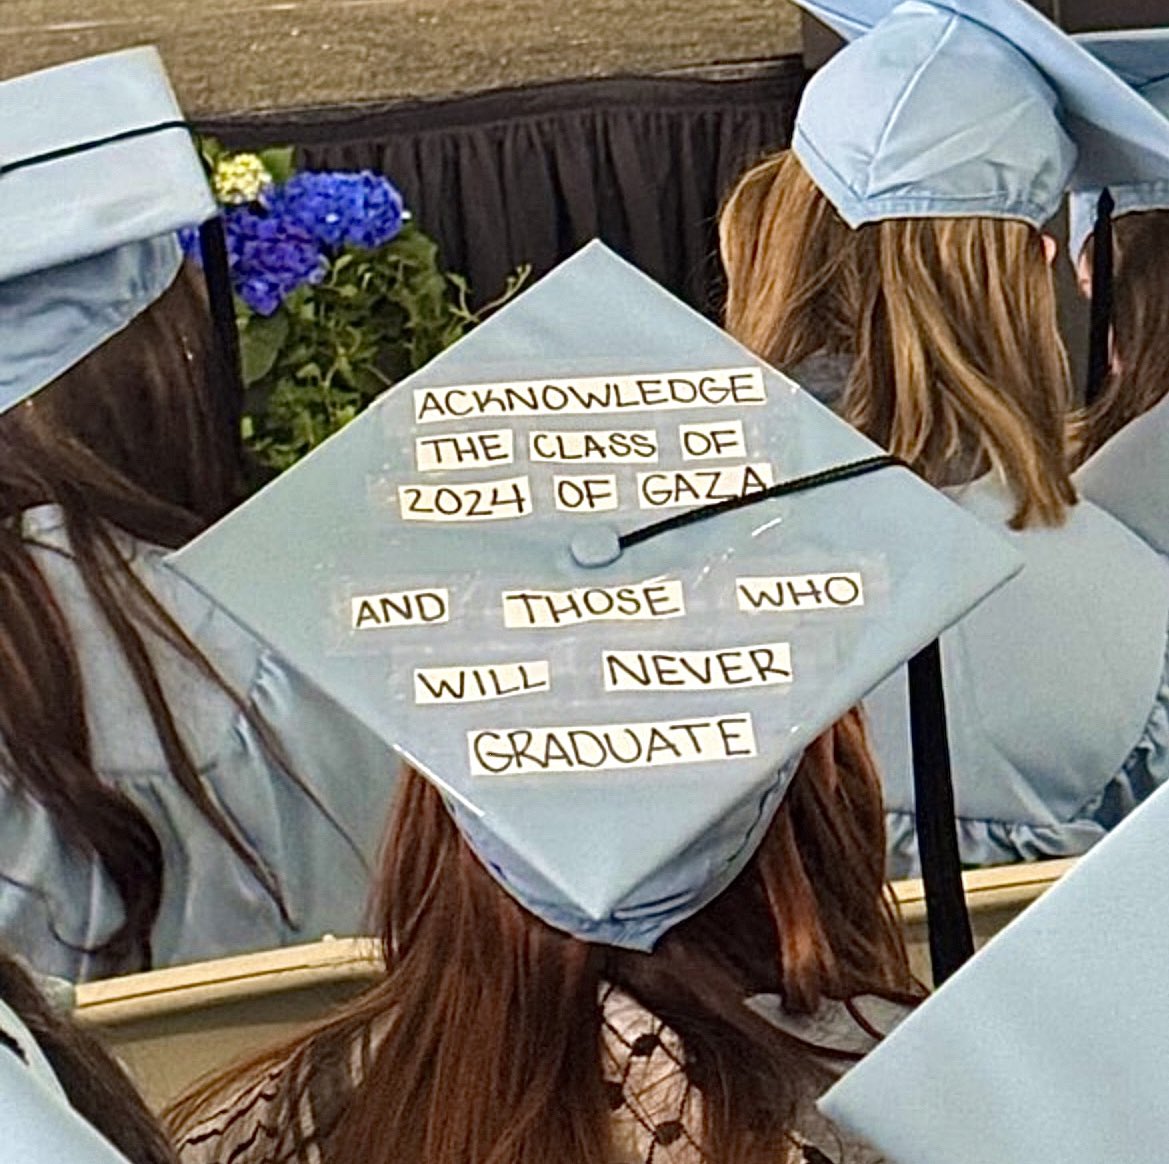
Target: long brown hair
column 1139, row 377
column 482, row 1044
column 97, row 1087
column 958, row 367
column 133, row 440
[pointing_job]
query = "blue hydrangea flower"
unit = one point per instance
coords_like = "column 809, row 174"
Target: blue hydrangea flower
column 270, row 257
column 338, row 209
column 189, row 241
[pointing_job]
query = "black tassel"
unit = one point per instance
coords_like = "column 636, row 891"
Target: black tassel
column 1100, row 329
column 951, row 941
column 213, row 244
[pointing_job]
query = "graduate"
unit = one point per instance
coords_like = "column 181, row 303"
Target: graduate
column 169, row 790
column 1123, row 435
column 901, row 237
column 631, row 902
column 1138, row 223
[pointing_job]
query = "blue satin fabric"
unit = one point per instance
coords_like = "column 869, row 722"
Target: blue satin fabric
column 54, row 901
column 1057, row 692
column 1059, row 722
column 50, row 320
column 933, row 115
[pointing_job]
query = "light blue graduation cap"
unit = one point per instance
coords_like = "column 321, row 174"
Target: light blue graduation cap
column 940, row 115
column 1141, row 58
column 930, row 115
column 1049, row 1045
column 510, row 568
column 97, row 172
column 38, row 1125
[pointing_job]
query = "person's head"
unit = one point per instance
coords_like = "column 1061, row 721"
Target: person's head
column 1126, row 206
column 491, row 1020
column 136, row 432
column 958, row 366
column 92, row 1079
column 1139, row 374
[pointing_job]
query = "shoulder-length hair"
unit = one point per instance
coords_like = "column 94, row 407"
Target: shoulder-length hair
column 135, row 440
column 958, row 366
column 482, row 1043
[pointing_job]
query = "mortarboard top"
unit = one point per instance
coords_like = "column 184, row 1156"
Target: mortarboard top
column 1119, row 137
column 1141, row 58
column 38, row 1125
column 930, row 115
column 1050, row 1043
column 97, row 172
column 423, row 567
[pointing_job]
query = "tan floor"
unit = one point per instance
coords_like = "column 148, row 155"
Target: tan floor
column 232, row 55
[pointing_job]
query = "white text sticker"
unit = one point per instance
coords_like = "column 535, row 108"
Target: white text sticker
column 549, row 608
column 672, row 488
column 712, row 440
column 797, row 592
column 531, row 751
column 586, row 494
column 480, row 501
column 593, row 447
column 639, row 392
column 464, row 450
column 761, row 665
column 396, row 608
column 475, row 684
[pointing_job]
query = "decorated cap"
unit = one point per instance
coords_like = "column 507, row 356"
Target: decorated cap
column 1141, row 58
column 97, row 172
column 564, row 569
column 38, row 1125
column 976, row 94
column 1050, row 1043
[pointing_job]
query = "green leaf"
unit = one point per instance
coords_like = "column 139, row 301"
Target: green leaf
column 260, row 344
column 278, row 162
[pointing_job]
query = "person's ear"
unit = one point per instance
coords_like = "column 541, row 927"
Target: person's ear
column 1084, row 274
column 1050, row 248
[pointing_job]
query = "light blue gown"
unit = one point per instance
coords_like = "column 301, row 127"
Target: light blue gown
column 56, row 902
column 1056, row 691
column 1129, row 476
column 1057, row 686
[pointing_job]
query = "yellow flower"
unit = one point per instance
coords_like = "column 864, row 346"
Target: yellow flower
column 240, row 178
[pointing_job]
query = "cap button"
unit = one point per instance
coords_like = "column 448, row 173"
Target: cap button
column 600, row 545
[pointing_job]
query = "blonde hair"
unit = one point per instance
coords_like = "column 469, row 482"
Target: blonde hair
column 958, row 366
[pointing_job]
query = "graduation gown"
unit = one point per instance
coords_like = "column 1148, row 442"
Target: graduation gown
column 56, row 902
column 1056, row 693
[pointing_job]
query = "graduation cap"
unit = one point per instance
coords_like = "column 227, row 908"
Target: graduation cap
column 929, row 114
column 1119, row 137
column 601, row 576
column 97, row 173
column 1050, row 1043
column 38, row 1125
column 1140, row 57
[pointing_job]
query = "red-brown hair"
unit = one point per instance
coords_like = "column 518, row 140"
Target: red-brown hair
column 482, row 1044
